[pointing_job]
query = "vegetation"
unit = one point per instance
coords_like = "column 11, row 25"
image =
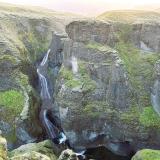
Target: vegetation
column 146, row 117
column 147, row 154
column 149, row 118
column 129, row 16
column 140, row 69
column 12, row 100
column 82, row 79
column 98, row 46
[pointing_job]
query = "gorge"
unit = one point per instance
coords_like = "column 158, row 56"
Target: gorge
column 92, row 84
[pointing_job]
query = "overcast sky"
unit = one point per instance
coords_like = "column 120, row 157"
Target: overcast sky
column 86, row 6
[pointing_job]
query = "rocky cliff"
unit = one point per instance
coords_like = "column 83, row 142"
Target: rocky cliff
column 103, row 75
column 106, row 81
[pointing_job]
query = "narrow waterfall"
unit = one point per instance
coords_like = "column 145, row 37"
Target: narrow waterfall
column 74, row 64
column 53, row 132
column 155, row 97
column 45, row 58
column 44, row 86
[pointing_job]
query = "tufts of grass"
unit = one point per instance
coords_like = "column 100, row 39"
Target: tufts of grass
column 149, row 118
column 12, row 100
column 98, row 46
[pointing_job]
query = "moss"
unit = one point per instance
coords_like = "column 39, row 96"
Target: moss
column 35, row 44
column 149, row 118
column 147, row 154
column 9, row 58
column 12, row 100
column 82, row 80
column 140, row 69
column 95, row 109
column 98, row 46
column 130, row 116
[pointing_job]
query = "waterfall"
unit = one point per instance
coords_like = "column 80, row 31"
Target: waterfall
column 155, row 97
column 74, row 65
column 45, row 58
column 50, row 128
column 44, row 86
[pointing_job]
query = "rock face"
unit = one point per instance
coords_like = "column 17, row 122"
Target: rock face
column 100, row 75
column 103, row 89
column 25, row 35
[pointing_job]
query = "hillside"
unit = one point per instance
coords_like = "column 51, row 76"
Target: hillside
column 130, row 16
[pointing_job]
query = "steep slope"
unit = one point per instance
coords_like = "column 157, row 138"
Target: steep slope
column 25, row 34
column 104, row 86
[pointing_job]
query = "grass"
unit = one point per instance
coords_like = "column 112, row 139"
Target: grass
column 82, row 80
column 129, row 16
column 12, row 100
column 149, row 118
column 98, row 46
column 146, row 117
column 140, row 68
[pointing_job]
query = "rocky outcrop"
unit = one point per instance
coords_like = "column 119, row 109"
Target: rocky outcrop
column 147, row 154
column 34, row 151
column 3, row 148
column 25, row 36
column 68, row 155
column 103, row 89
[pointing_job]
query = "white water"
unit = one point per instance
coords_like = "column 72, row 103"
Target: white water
column 81, row 154
column 63, row 138
column 155, row 99
column 74, row 65
column 45, row 58
column 44, row 86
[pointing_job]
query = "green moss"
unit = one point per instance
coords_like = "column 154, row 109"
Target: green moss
column 23, row 79
column 140, row 69
column 131, row 116
column 35, row 44
column 149, row 118
column 12, row 100
column 9, row 58
column 82, row 80
column 147, row 154
column 95, row 109
column 98, row 46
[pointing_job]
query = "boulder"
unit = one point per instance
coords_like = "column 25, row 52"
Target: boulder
column 147, row 154
column 3, row 148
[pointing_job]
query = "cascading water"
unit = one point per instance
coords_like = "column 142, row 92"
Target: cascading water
column 74, row 64
column 53, row 132
column 155, row 97
column 44, row 86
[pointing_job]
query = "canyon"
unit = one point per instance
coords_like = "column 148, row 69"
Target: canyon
column 101, row 82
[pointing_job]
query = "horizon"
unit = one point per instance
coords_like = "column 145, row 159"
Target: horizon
column 88, row 7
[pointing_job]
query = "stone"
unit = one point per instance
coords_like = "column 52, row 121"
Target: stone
column 147, row 154
column 68, row 155
column 3, row 148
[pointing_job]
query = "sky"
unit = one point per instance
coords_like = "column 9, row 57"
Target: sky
column 87, row 7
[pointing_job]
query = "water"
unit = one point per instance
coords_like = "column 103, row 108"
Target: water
column 52, row 131
column 155, row 99
column 56, row 134
column 44, row 61
column 44, row 86
column 74, row 64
